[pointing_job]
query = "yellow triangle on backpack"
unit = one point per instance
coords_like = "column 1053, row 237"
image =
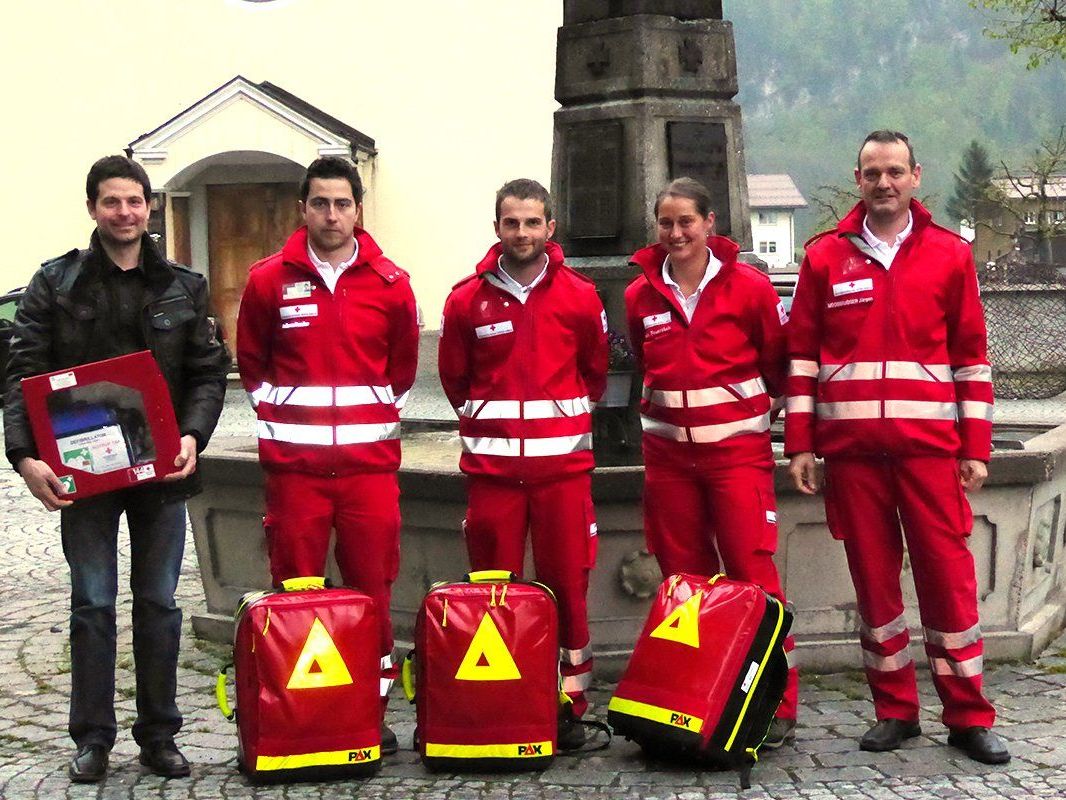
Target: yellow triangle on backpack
column 320, row 663
column 682, row 624
column 487, row 658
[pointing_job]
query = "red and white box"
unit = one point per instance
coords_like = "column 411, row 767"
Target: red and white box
column 104, row 426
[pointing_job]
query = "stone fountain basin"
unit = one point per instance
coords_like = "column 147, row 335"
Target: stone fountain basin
column 1018, row 546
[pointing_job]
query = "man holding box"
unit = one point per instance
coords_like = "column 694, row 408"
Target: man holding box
column 120, row 296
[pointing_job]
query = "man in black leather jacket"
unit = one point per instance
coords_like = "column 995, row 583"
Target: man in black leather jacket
column 120, row 296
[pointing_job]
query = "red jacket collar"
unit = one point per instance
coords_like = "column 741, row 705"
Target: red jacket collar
column 295, row 253
column 650, row 259
column 492, row 259
column 851, row 224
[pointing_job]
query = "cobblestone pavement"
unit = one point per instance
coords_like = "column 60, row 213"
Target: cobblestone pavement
column 825, row 762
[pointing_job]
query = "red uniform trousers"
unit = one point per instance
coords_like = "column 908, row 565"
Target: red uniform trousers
column 688, row 512
column 559, row 517
column 866, row 500
column 364, row 509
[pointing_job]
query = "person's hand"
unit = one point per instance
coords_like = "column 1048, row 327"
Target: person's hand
column 777, row 405
column 43, row 483
column 972, row 474
column 804, row 473
column 185, row 461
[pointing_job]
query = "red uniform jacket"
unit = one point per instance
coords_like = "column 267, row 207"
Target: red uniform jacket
column 708, row 382
column 523, row 377
column 328, row 372
column 889, row 362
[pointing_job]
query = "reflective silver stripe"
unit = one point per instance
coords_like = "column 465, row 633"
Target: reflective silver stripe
column 310, row 396
column 368, row 432
column 915, row 371
column 492, row 446
column 295, row 434
column 975, row 409
column 893, row 370
column 324, row 396
column 884, row 632
column 401, row 401
column 855, row 371
column 553, row 409
column 530, row 409
column 753, row 387
column 491, row 409
column 954, row 641
column 790, row 658
column 850, row 409
column 886, row 663
column 365, row 395
column 385, row 685
column 705, row 434
column 975, row 372
column 799, row 404
column 575, row 657
column 558, row 445
column 970, row 668
column 710, row 396
column 803, row 369
column 577, row 683
column 257, row 396
column 920, row 409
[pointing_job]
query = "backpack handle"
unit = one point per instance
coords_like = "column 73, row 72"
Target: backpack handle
column 490, row 576
column 228, row 711
column 302, row 584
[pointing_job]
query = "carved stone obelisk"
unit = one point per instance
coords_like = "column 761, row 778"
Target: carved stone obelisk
column 647, row 89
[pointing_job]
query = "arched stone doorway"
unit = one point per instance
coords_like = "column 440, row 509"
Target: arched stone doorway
column 226, row 173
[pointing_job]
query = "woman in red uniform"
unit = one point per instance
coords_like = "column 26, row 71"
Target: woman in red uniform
column 709, row 334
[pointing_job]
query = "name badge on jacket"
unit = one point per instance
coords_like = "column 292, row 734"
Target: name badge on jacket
column 853, row 287
column 495, row 329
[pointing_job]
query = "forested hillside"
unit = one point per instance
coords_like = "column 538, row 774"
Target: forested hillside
column 817, row 75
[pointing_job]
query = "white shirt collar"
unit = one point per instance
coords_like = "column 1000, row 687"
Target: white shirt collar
column 688, row 304
column 885, row 247
column 501, row 279
column 329, row 273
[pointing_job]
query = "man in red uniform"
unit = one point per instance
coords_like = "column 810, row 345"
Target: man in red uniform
column 327, row 343
column 889, row 381
column 523, row 357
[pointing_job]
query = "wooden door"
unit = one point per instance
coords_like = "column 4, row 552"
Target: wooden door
column 245, row 222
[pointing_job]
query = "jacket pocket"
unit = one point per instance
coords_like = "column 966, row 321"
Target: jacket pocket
column 767, row 537
column 171, row 313
column 593, row 533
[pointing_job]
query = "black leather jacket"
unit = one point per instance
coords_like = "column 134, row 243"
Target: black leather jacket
column 64, row 320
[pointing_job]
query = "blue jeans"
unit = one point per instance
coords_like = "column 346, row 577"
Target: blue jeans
column 90, row 544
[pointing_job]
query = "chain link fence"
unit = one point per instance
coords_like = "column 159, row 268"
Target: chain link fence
column 1025, row 311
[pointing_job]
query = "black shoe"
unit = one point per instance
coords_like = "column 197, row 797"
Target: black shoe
column 389, row 745
column 888, row 734
column 571, row 734
column 781, row 731
column 164, row 759
column 89, row 764
column 980, row 744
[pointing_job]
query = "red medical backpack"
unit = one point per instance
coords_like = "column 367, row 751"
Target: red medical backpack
column 308, row 683
column 487, row 674
column 707, row 673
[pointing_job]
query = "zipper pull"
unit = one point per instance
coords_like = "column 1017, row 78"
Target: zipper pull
column 503, row 595
column 444, row 617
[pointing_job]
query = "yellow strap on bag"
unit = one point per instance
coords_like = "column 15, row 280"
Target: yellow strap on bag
column 407, row 676
column 220, row 695
column 302, row 584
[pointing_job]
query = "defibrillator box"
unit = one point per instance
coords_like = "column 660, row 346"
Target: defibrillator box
column 105, row 425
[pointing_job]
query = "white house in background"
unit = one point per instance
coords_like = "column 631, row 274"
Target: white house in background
column 773, row 200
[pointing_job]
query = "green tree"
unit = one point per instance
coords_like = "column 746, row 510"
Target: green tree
column 1037, row 26
column 972, row 184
